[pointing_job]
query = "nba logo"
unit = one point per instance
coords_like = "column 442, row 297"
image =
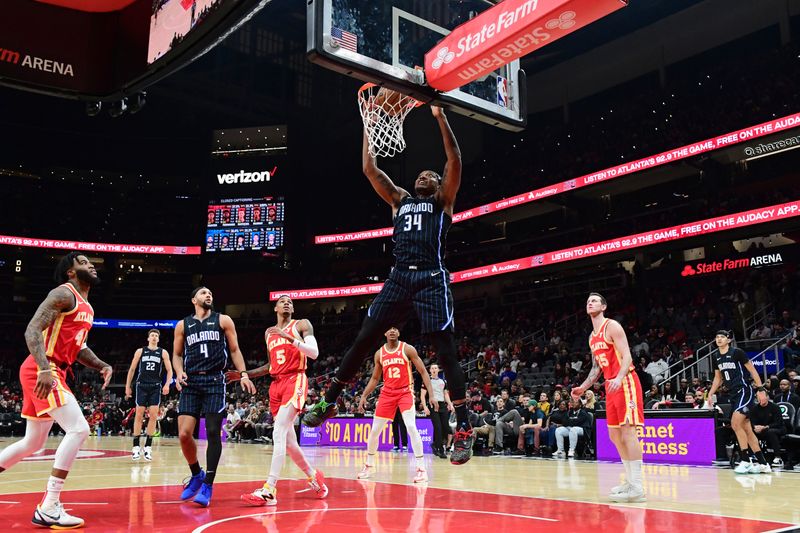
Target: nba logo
column 502, row 91
column 571, row 184
column 538, row 260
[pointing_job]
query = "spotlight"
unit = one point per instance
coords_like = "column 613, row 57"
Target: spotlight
column 118, row 108
column 93, row 108
column 137, row 102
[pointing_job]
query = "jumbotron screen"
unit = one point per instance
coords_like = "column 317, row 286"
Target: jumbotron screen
column 172, row 20
column 242, row 224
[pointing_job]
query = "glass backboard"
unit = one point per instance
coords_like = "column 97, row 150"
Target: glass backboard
column 385, row 43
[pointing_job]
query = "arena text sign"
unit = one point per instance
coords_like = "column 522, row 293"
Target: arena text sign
column 619, row 244
column 506, row 32
column 624, row 169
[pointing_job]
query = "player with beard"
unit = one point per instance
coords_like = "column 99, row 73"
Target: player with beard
column 418, row 281
column 200, row 354
column 56, row 338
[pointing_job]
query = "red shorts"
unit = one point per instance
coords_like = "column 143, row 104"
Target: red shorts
column 288, row 389
column 33, row 407
column 625, row 406
column 390, row 400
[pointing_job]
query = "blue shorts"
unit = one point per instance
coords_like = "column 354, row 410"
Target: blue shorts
column 148, row 394
column 742, row 400
column 427, row 292
column 203, row 394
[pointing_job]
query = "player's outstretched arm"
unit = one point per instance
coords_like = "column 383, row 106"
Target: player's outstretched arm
column 383, row 185
column 413, row 356
column 594, row 373
column 129, row 378
column 451, row 177
column 620, row 340
column 177, row 356
column 373, row 382
column 87, row 358
column 58, row 300
column 228, row 327
column 168, row 366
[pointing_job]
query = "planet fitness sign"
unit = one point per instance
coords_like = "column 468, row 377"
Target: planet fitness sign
column 354, row 432
column 688, row 441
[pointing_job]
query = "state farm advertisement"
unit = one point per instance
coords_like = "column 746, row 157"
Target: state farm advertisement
column 506, row 32
column 647, row 238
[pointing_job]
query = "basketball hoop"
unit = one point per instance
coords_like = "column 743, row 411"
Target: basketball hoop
column 383, row 112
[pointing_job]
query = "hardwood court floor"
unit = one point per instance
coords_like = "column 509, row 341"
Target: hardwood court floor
column 502, row 493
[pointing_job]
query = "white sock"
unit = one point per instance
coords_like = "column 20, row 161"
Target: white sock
column 370, row 462
column 272, row 481
column 636, row 473
column 627, row 465
column 420, row 461
column 54, row 486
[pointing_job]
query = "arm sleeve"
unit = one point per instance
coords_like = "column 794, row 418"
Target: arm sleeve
column 308, row 346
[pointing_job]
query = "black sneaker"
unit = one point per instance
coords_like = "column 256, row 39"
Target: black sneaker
column 462, row 447
column 319, row 413
column 518, row 452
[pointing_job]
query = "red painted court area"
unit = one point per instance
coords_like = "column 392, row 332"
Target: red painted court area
column 356, row 506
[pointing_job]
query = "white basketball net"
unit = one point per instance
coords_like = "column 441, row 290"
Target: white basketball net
column 383, row 114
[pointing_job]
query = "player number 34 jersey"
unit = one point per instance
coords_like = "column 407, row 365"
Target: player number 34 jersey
column 285, row 357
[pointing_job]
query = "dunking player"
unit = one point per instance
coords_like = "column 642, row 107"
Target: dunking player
column 729, row 367
column 289, row 343
column 149, row 362
column 56, row 338
column 418, row 280
column 393, row 362
column 202, row 343
column 624, row 401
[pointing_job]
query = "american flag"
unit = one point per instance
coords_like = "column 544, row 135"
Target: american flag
column 345, row 39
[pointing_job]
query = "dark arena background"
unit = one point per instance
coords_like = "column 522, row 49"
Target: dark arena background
column 647, row 154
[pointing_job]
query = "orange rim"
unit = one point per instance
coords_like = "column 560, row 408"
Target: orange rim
column 414, row 102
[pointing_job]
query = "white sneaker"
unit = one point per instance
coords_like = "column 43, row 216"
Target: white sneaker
column 421, row 476
column 762, row 469
column 366, row 472
column 571, row 453
column 619, row 489
column 746, row 467
column 55, row 518
column 777, row 463
column 266, row 495
column 148, row 453
column 634, row 494
column 559, row 454
column 136, row 453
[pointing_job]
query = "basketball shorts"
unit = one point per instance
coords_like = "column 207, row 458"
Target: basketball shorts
column 742, row 400
column 203, row 394
column 148, row 394
column 33, row 407
column 625, row 406
column 427, row 292
column 288, row 389
column 392, row 399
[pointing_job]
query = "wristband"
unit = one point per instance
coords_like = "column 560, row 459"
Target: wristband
column 244, row 374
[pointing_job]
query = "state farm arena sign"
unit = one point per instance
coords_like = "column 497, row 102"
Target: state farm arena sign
column 733, row 263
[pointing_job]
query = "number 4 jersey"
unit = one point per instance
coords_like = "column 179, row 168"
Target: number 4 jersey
column 205, row 347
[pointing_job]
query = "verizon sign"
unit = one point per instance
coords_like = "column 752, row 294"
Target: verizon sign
column 506, row 32
column 738, row 263
column 246, row 177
